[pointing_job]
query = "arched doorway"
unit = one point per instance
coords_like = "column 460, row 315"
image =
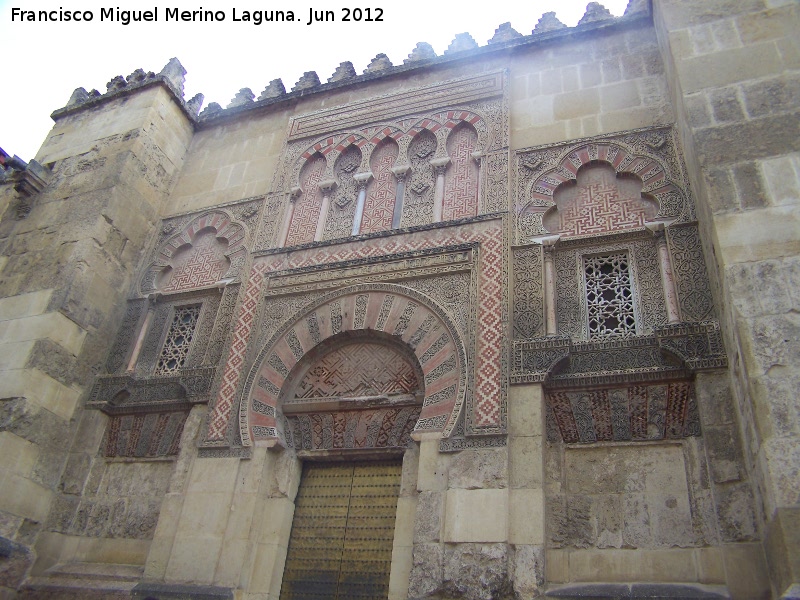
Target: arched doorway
column 350, row 406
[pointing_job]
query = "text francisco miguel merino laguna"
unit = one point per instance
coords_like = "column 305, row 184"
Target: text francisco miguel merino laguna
column 126, row 17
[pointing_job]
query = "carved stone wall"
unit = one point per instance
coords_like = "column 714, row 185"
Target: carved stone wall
column 650, row 156
column 450, row 123
column 198, row 250
column 308, row 273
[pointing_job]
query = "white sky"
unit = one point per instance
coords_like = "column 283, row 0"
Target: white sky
column 44, row 62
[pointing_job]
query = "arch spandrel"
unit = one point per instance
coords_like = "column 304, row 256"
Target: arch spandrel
column 386, row 313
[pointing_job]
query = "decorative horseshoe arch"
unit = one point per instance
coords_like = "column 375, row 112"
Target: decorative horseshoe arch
column 210, row 238
column 390, row 312
column 656, row 177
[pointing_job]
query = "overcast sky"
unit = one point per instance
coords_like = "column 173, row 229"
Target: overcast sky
column 43, row 62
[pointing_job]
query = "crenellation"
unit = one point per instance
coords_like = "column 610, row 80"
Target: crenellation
column 344, row 71
column 422, row 51
column 504, row 33
column 461, row 43
column 243, row 97
column 308, row 81
column 380, row 63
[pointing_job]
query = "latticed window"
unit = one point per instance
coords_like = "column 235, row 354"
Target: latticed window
column 179, row 339
column 609, row 296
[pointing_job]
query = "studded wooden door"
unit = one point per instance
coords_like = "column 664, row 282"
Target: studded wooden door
column 341, row 542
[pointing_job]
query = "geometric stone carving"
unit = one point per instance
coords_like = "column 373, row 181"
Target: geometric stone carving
column 691, row 277
column 653, row 411
column 673, row 351
column 461, row 178
column 382, row 189
column 648, row 156
column 600, row 203
column 127, row 394
column 360, row 393
column 305, row 215
column 144, row 435
column 528, row 292
column 208, row 248
column 370, row 314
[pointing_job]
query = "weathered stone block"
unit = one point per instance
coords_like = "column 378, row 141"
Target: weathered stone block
column 477, row 571
column 468, row 520
column 528, row 573
column 427, row 572
column 479, row 468
column 428, row 522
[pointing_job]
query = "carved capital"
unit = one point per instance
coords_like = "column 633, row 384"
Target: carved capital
column 362, row 179
column 328, row 186
column 440, row 165
column 401, row 171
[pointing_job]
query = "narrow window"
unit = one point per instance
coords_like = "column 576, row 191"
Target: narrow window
column 179, row 339
column 609, row 296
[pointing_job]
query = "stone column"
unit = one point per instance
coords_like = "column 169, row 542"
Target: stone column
column 294, row 195
column 361, row 179
column 327, row 188
column 477, row 157
column 549, row 283
column 439, row 168
column 151, row 309
column 665, row 267
column 400, row 173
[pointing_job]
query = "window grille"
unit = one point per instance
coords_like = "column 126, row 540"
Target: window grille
column 179, row 339
column 609, row 296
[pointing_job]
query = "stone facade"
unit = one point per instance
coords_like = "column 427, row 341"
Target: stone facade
column 555, row 276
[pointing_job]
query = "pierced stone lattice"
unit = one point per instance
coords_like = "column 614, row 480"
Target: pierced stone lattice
column 609, row 296
column 306, row 210
column 179, row 340
column 364, row 369
column 382, row 190
column 461, row 179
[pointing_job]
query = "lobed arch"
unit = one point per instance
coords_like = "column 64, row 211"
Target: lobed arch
column 224, row 245
column 388, row 311
column 627, row 162
column 403, row 131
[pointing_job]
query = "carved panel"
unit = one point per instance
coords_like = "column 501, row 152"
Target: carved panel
column 461, row 179
column 343, row 203
column 528, row 292
column 599, row 203
column 270, row 221
column 128, row 331
column 360, row 369
column 648, row 155
column 151, row 435
column 199, row 265
column 306, row 208
column 421, row 186
column 495, row 188
column 198, row 250
column 382, row 190
column 691, row 277
column 634, row 413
